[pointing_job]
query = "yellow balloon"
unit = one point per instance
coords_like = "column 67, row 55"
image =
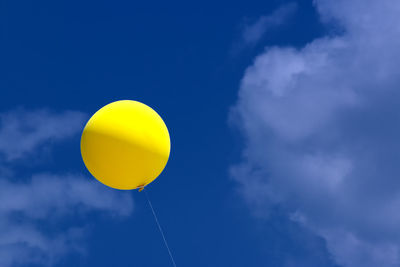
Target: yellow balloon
column 125, row 145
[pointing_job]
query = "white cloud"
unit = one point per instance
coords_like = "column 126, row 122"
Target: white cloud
column 48, row 199
column 22, row 243
column 321, row 131
column 22, row 131
column 28, row 204
column 253, row 32
column 49, row 195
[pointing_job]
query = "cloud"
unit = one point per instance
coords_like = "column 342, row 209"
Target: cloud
column 50, row 199
column 29, row 205
column 22, row 132
column 49, row 195
column 252, row 33
column 321, row 129
column 22, row 243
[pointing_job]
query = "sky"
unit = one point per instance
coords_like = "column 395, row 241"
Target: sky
column 283, row 118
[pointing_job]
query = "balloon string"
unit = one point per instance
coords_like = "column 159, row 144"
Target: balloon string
column 159, row 227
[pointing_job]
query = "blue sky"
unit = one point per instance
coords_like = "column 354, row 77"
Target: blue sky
column 283, row 118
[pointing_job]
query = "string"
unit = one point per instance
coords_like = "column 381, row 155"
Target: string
column 159, row 227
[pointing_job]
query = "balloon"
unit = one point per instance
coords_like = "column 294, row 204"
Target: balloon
column 125, row 145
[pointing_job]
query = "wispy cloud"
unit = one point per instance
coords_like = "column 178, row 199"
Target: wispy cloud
column 252, row 33
column 47, row 196
column 23, row 131
column 29, row 203
column 320, row 126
